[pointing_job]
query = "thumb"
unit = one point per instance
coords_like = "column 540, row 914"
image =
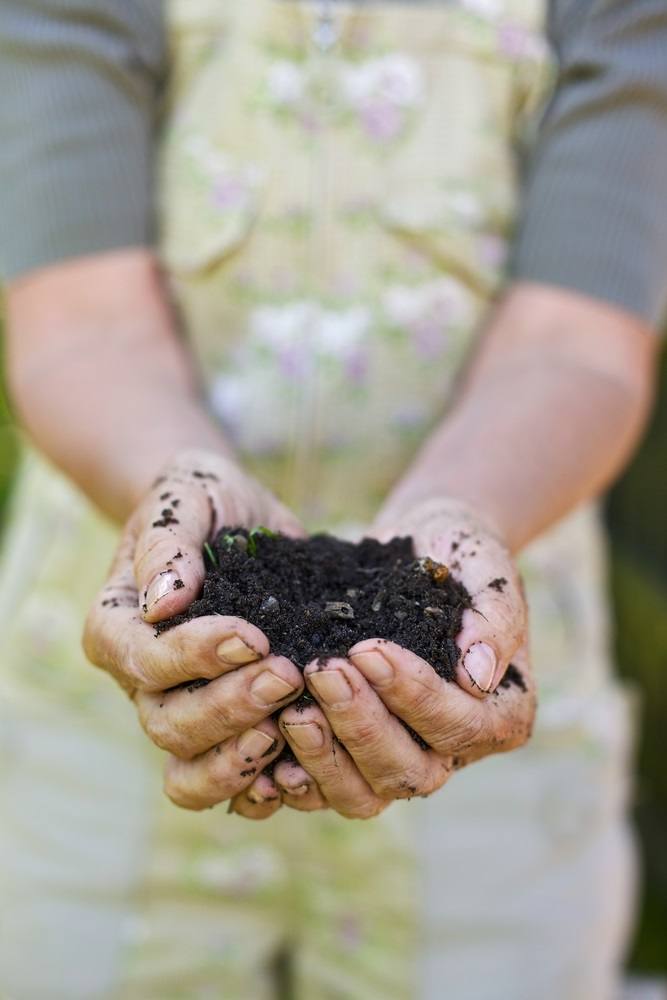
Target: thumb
column 494, row 628
column 177, row 517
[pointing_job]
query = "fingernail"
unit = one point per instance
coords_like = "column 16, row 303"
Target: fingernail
column 159, row 587
column 374, row 666
column 480, row 663
column 254, row 796
column 299, row 790
column 267, row 689
column 254, row 743
column 306, row 736
column 332, row 687
column 236, row 651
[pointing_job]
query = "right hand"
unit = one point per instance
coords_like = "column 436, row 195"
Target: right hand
column 219, row 735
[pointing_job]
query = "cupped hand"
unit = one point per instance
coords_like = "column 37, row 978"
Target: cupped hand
column 355, row 744
column 205, row 689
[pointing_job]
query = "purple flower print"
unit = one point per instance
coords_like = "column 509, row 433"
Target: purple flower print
column 429, row 338
column 518, row 42
column 492, row 251
column 381, row 120
column 356, row 368
column 427, row 313
column 295, row 361
column 381, row 92
column 229, row 192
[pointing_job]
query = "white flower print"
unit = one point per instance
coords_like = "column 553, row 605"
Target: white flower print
column 381, row 92
column 249, row 402
column 466, row 205
column 341, row 332
column 279, row 327
column 232, row 186
column 395, row 78
column 287, row 345
column 429, row 312
column 484, row 8
column 286, row 82
column 305, row 330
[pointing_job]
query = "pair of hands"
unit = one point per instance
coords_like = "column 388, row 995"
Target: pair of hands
column 354, row 754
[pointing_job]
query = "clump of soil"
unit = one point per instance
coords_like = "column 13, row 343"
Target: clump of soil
column 316, row 597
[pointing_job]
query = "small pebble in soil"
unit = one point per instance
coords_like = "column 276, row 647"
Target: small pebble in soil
column 339, row 609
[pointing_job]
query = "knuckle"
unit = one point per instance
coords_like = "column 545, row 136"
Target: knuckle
column 226, row 717
column 366, row 808
column 517, row 735
column 166, row 739
column 508, row 621
column 164, row 732
column 89, row 639
column 460, row 734
column 399, row 784
column 131, row 674
column 180, row 796
column 219, row 784
column 362, row 737
column 425, row 705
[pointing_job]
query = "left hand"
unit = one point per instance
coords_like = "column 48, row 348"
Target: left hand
column 356, row 756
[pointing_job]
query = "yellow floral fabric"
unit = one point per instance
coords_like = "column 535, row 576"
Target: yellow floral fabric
column 337, row 196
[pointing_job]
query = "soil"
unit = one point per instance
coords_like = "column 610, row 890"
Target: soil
column 314, row 598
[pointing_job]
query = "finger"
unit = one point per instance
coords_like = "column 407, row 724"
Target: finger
column 185, row 508
column 179, row 514
column 118, row 640
column 390, row 760
column 496, row 624
column 449, row 719
column 259, row 801
column 187, row 721
column 339, row 780
column 298, row 790
column 223, row 772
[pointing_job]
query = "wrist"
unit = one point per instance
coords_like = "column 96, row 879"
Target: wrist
column 418, row 511
column 212, row 461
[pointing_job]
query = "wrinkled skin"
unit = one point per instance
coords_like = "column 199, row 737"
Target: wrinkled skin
column 353, row 753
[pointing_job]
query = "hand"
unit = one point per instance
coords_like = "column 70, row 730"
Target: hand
column 218, row 735
column 354, row 743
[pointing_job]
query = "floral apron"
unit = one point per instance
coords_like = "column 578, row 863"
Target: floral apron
column 338, row 185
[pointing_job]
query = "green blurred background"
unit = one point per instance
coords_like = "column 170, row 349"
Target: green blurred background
column 637, row 516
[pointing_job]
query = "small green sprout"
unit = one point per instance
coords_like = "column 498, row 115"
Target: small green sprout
column 210, row 553
column 248, row 544
column 254, row 535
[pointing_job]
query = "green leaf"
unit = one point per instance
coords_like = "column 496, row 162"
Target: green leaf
column 210, row 553
column 253, row 536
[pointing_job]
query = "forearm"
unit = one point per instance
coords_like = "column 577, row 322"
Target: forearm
column 548, row 414
column 100, row 378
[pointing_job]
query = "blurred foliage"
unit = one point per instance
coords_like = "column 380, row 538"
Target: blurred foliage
column 637, row 516
column 9, row 445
